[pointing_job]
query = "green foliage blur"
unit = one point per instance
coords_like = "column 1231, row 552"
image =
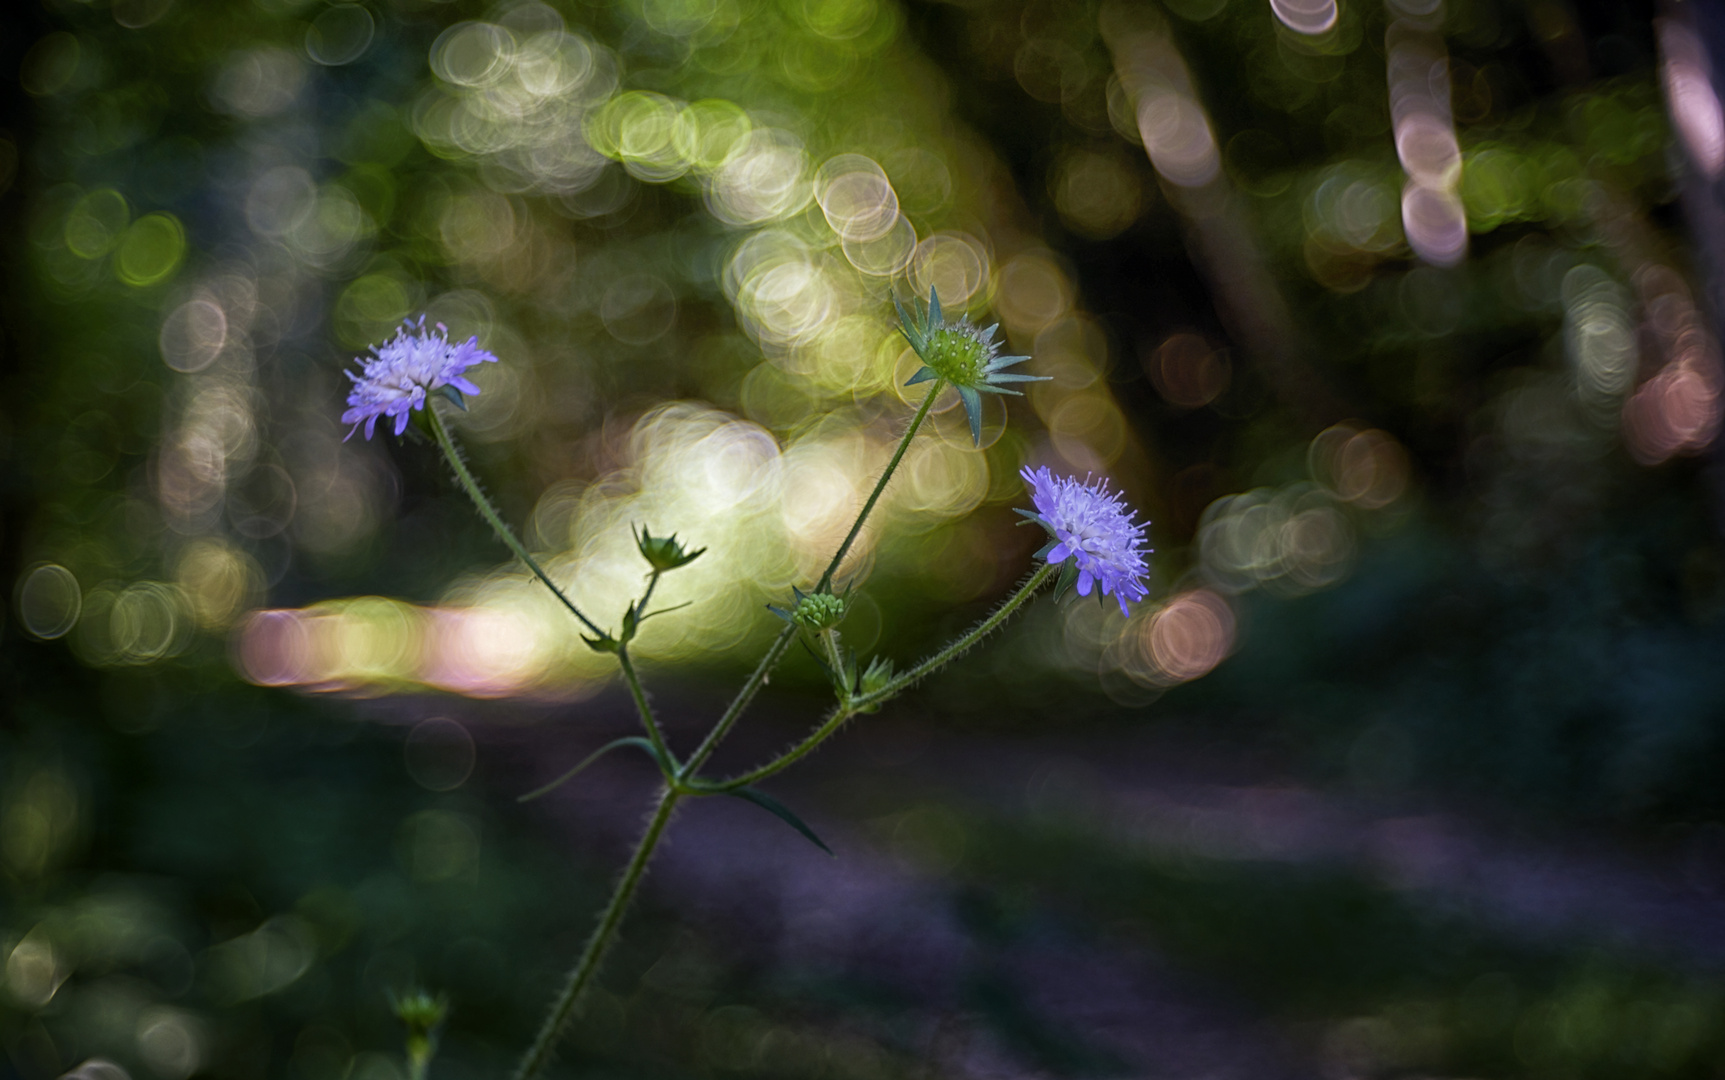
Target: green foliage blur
column 1437, row 527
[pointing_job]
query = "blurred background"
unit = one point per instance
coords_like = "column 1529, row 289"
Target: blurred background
column 1398, row 321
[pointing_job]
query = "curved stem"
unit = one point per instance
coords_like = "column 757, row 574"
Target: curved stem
column 776, row 651
column 961, row 645
column 836, row 719
column 539, row 1055
column 489, row 513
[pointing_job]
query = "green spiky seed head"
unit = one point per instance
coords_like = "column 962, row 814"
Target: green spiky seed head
column 958, row 354
column 819, row 611
column 664, row 552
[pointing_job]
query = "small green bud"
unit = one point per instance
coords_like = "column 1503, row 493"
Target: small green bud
column 818, row 611
column 664, row 552
column 875, row 677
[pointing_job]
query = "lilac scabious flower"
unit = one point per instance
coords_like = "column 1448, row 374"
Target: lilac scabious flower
column 402, row 371
column 1091, row 526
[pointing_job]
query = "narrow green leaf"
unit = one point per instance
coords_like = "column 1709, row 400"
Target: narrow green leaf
column 923, row 374
column 454, row 397
column 936, row 318
column 631, row 740
column 973, row 410
column 1068, row 575
column 782, row 812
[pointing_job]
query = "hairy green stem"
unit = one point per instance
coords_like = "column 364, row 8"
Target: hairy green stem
column 782, row 643
column 836, row 719
column 563, row 1009
column 492, row 518
column 644, row 708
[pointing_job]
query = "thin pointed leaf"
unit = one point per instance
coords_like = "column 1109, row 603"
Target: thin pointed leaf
column 665, row 611
column 1042, row 552
column 988, row 334
column 908, row 326
column 1068, row 577
column 782, row 812
column 987, row 389
column 826, row 667
column 454, row 396
column 631, row 740
column 935, row 318
column 781, row 613
column 973, row 410
column 1012, row 376
column 1005, row 362
column 923, row 374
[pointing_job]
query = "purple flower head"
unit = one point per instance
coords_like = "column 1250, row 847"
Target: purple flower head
column 1091, row 526
column 403, row 370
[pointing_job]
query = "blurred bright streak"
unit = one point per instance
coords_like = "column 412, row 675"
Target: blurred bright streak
column 1600, row 340
column 1689, row 92
column 1178, row 137
column 1183, row 639
column 856, row 197
column 484, row 652
column 275, row 648
column 1419, row 89
column 1435, row 223
column 1426, row 145
column 1306, row 16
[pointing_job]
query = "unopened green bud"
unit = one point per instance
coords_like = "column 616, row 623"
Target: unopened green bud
column 874, row 678
column 818, row 611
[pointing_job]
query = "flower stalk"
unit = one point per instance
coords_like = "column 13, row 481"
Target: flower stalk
column 1094, row 544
